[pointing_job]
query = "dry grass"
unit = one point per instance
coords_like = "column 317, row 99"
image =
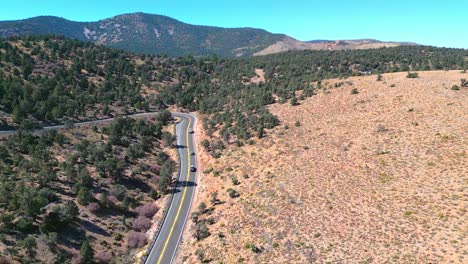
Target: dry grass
column 378, row 176
column 288, row 43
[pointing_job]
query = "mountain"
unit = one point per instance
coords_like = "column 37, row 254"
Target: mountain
column 156, row 34
column 145, row 33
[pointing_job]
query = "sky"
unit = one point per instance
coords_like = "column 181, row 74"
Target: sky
column 441, row 23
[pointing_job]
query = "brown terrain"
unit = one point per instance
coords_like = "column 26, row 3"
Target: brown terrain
column 377, row 176
column 288, row 44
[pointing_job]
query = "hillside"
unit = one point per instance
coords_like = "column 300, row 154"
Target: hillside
column 372, row 175
column 149, row 34
column 63, row 191
column 155, row 34
column 290, row 44
column 84, row 193
column 50, row 79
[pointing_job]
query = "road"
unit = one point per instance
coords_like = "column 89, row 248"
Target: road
column 164, row 249
column 92, row 122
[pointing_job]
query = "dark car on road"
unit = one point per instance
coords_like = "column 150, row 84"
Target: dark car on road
column 192, row 168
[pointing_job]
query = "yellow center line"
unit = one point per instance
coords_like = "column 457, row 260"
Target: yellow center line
column 183, row 196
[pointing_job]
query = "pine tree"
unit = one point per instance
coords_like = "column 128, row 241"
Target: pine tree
column 86, row 252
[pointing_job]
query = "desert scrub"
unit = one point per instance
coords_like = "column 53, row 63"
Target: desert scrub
column 234, row 180
column 253, row 247
column 412, row 75
column 232, row 193
column 354, row 91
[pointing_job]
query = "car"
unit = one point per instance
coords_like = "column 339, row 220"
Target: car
column 192, row 153
column 192, row 168
column 191, row 131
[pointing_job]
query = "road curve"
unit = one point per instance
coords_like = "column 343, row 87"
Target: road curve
column 164, row 248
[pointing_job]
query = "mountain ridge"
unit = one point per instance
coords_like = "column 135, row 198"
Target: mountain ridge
column 158, row 34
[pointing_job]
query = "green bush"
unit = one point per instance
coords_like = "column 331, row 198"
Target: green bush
column 412, row 75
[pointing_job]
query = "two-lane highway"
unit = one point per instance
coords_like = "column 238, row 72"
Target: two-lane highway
column 164, row 249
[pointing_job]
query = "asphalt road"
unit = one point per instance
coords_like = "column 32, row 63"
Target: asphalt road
column 100, row 121
column 164, row 249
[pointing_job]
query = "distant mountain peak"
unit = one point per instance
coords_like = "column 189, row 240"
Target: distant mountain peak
column 157, row 34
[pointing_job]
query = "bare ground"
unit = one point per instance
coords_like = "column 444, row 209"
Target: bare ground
column 374, row 177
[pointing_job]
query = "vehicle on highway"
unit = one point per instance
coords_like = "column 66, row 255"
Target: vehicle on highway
column 192, row 153
column 192, row 168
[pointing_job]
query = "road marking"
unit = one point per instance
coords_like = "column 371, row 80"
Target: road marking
column 183, row 195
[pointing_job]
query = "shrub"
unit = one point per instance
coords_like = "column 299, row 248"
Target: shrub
column 136, row 239
column 464, row 83
column 148, row 210
column 297, row 124
column 455, row 88
column 232, row 193
column 354, row 91
column 253, row 247
column 29, row 243
column 214, row 198
column 202, row 207
column 205, row 143
column 235, row 181
column 200, row 254
column 84, row 196
column 412, row 75
column 141, row 223
column 201, row 231
column 379, row 77
column 86, row 252
column 294, row 101
column 210, row 220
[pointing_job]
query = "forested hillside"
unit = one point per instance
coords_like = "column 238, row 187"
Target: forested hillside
column 82, row 195
column 60, row 181
column 52, row 79
column 235, row 104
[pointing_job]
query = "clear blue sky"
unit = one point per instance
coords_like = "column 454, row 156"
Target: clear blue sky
column 431, row 22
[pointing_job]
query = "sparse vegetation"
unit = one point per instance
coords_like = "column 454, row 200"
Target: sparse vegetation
column 72, row 178
column 412, row 75
column 367, row 154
